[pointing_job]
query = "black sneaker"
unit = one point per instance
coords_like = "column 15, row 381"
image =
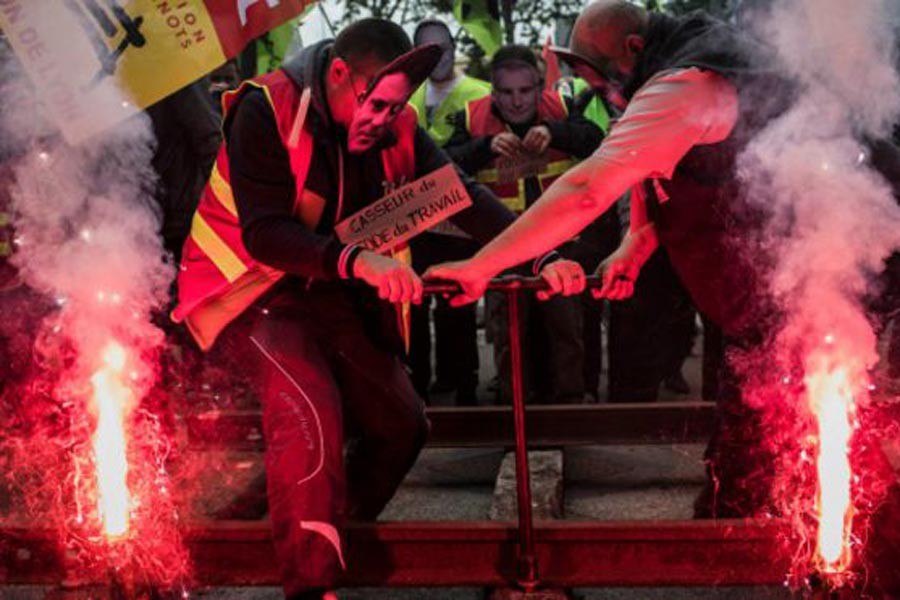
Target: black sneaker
column 677, row 384
column 466, row 396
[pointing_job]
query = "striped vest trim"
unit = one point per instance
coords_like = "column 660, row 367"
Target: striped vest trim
column 481, row 121
column 218, row 279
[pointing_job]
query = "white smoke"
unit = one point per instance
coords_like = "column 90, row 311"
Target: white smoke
column 844, row 49
column 87, row 237
column 86, row 222
column 834, row 219
column 832, row 222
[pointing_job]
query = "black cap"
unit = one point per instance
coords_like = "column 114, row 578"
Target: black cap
column 417, row 64
column 573, row 58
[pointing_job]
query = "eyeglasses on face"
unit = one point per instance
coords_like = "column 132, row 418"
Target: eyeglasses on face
column 394, row 108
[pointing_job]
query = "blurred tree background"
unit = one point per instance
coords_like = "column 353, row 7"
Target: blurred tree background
column 720, row 8
column 532, row 19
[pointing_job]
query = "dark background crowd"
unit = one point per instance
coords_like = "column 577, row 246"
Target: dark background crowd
column 512, row 124
column 577, row 350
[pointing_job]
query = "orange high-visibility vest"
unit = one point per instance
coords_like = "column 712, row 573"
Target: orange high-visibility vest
column 481, row 121
column 218, row 279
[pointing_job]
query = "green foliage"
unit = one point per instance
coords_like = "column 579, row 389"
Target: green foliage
column 719, row 8
column 531, row 18
column 404, row 12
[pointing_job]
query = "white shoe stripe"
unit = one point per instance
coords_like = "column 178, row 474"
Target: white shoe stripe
column 329, row 532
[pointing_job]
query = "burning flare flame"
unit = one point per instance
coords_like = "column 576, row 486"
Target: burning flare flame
column 832, row 403
column 111, row 402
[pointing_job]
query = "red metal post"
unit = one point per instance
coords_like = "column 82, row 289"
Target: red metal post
column 528, row 577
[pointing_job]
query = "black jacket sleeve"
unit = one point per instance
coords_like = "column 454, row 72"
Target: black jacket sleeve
column 576, row 135
column 487, row 216
column 263, row 186
column 471, row 154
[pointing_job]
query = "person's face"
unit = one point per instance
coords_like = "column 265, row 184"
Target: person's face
column 612, row 92
column 375, row 111
column 435, row 34
column 614, row 58
column 516, row 92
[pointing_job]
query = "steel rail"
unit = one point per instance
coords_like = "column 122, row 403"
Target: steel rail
column 471, row 553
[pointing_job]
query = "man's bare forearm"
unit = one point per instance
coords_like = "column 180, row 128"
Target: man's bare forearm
column 639, row 244
column 569, row 205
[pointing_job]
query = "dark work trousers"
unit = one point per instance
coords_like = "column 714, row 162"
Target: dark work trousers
column 552, row 347
column 647, row 330
column 455, row 329
column 597, row 241
column 893, row 351
column 592, row 311
column 322, row 374
column 738, row 465
column 683, row 331
column 887, row 308
column 713, row 357
column 881, row 553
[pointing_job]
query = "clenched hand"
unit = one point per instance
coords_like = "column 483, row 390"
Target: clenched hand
column 564, row 277
column 395, row 281
column 507, row 144
column 537, row 139
column 619, row 272
column 473, row 284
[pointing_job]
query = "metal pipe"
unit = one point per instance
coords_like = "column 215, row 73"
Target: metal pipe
column 527, row 571
column 528, row 576
column 504, row 284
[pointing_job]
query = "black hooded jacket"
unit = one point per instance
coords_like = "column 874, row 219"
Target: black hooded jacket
column 708, row 229
column 264, row 187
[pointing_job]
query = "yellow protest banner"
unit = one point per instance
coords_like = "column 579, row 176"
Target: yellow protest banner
column 96, row 62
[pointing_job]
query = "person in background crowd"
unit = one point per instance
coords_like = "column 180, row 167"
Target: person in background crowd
column 652, row 332
column 693, row 104
column 320, row 323
column 443, row 94
column 517, row 141
column 186, row 126
column 683, row 119
column 600, row 238
column 447, row 90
